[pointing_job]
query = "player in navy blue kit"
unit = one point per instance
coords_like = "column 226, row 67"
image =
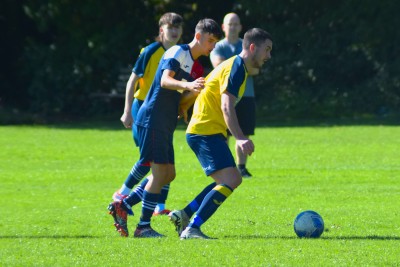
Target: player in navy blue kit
column 138, row 85
column 157, row 119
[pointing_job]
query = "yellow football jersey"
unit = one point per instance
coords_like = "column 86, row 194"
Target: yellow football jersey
column 146, row 67
column 230, row 76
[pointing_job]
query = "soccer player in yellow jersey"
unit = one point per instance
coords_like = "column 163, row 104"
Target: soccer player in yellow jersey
column 214, row 113
column 246, row 108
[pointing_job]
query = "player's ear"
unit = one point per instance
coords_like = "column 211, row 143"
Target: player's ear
column 252, row 47
column 197, row 35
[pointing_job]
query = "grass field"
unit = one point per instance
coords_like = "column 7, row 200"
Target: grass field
column 56, row 183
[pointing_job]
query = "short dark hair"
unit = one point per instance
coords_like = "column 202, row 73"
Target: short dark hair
column 209, row 26
column 256, row 36
column 170, row 18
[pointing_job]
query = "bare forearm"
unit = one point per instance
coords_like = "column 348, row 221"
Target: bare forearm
column 230, row 117
column 170, row 83
column 130, row 91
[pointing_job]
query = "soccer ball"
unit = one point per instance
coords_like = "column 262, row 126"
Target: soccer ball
column 308, row 224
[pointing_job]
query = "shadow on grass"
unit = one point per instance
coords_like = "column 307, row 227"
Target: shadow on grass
column 373, row 237
column 385, row 238
column 49, row 237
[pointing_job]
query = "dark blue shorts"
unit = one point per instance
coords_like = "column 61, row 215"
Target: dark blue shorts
column 212, row 151
column 134, row 111
column 155, row 146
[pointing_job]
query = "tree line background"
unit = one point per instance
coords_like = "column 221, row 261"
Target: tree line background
column 331, row 59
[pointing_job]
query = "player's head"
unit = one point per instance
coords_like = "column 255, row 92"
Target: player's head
column 170, row 28
column 208, row 33
column 231, row 25
column 258, row 43
column 209, row 26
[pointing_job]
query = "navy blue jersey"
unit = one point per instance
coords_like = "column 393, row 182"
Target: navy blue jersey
column 160, row 108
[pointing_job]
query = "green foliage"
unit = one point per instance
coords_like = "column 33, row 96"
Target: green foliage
column 331, row 59
column 56, row 183
column 78, row 51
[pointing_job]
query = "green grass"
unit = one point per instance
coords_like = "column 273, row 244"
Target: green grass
column 56, row 183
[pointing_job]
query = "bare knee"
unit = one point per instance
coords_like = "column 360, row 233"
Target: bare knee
column 236, row 182
column 229, row 176
column 171, row 176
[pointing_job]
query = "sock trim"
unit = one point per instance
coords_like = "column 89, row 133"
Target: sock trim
column 223, row 189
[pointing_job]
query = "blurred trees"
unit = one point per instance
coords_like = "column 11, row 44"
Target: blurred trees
column 330, row 58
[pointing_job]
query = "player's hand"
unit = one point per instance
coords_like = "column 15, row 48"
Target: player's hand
column 196, row 85
column 246, row 145
column 127, row 120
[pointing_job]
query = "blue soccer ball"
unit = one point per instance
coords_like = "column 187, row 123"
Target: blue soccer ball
column 309, row 224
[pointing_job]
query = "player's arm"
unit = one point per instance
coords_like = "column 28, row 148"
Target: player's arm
column 228, row 110
column 126, row 117
column 169, row 82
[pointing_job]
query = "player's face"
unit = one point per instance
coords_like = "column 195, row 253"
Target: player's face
column 207, row 42
column 262, row 54
column 172, row 33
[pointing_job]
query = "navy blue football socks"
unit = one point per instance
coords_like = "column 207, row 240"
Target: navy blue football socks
column 136, row 174
column 210, row 204
column 148, row 205
column 193, row 206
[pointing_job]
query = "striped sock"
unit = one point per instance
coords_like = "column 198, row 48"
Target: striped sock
column 136, row 174
column 164, row 195
column 210, row 204
column 137, row 194
column 195, row 204
column 148, row 206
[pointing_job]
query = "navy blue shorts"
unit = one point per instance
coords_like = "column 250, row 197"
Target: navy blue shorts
column 134, row 111
column 212, row 151
column 155, row 146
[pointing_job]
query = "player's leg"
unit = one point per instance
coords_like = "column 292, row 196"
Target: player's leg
column 162, row 173
column 217, row 161
column 139, row 170
column 120, row 208
column 136, row 195
column 160, row 208
column 194, row 206
column 227, row 180
column 181, row 218
column 159, row 149
column 246, row 114
column 134, row 111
